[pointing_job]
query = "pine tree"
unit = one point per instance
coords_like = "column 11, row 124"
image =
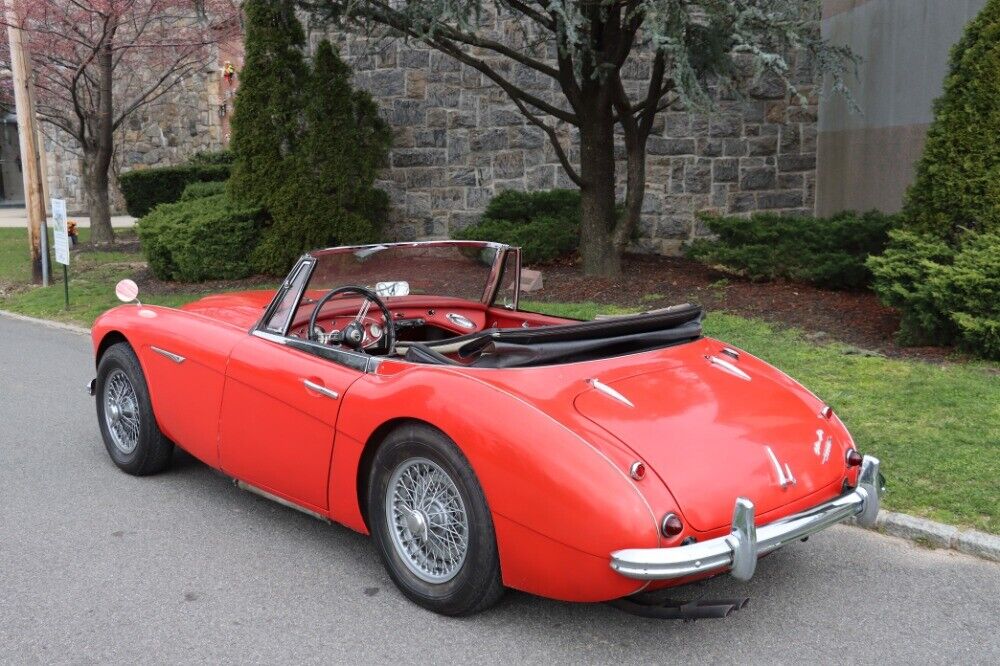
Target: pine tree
column 329, row 197
column 958, row 177
column 267, row 121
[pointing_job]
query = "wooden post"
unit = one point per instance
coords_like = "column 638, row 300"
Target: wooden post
column 24, row 100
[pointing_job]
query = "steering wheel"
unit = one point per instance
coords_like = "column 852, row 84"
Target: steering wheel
column 353, row 335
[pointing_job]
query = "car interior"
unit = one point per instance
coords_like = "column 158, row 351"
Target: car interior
column 457, row 306
column 443, row 331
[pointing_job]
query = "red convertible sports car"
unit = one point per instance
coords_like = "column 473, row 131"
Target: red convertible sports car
column 399, row 390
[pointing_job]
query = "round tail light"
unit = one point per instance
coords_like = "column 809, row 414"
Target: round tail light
column 854, row 459
column 638, row 470
column 671, row 525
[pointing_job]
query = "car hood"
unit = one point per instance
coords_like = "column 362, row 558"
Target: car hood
column 242, row 309
column 715, row 428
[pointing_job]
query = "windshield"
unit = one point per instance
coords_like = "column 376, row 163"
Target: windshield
column 449, row 269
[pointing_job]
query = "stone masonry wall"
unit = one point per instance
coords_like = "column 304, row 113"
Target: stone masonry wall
column 459, row 141
column 168, row 131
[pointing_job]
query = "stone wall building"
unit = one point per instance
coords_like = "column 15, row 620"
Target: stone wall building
column 460, row 140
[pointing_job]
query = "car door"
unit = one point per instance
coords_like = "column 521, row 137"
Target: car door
column 279, row 414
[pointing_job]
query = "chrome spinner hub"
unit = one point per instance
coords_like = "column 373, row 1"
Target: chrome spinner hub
column 427, row 521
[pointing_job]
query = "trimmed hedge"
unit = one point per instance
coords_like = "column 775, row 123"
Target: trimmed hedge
column 545, row 225
column 144, row 189
column 829, row 253
column 946, row 296
column 212, row 157
column 201, row 239
column 200, row 190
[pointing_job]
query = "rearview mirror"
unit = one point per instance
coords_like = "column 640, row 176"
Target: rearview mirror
column 127, row 291
column 398, row 288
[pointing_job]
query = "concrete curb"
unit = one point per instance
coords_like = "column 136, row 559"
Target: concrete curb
column 938, row 535
column 48, row 323
column 901, row 525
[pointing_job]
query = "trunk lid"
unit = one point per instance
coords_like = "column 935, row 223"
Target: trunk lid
column 717, row 431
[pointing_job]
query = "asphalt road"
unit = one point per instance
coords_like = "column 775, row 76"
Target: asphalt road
column 97, row 566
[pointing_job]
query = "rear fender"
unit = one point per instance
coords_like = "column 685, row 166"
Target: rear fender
column 547, row 487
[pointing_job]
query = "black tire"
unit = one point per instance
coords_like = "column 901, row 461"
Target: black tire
column 477, row 584
column 152, row 451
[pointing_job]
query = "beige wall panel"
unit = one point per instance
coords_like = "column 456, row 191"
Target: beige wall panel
column 868, row 168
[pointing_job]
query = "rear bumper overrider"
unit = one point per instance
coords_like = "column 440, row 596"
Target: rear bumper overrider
column 738, row 551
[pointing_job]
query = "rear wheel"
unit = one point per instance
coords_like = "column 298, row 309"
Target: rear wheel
column 125, row 414
column 431, row 524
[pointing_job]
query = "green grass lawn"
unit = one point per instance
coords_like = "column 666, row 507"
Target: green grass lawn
column 92, row 279
column 935, row 427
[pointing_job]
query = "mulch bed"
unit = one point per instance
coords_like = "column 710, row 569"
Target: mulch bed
column 854, row 317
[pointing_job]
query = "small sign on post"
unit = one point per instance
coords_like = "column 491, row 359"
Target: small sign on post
column 60, row 233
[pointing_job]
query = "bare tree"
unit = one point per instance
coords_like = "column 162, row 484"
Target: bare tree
column 98, row 62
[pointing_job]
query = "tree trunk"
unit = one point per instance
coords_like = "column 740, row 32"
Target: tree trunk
column 597, row 196
column 99, row 202
column 98, row 157
column 635, row 189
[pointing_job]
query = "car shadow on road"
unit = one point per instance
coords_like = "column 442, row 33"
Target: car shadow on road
column 336, row 543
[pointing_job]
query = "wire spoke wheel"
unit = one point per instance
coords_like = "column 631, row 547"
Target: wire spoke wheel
column 121, row 411
column 427, row 520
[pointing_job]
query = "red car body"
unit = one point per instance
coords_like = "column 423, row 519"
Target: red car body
column 577, row 461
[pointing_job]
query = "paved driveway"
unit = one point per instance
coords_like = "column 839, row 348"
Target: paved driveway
column 97, row 566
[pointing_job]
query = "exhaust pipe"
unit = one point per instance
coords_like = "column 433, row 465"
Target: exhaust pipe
column 669, row 609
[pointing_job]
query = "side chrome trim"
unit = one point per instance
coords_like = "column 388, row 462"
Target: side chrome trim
column 738, row 551
column 243, row 485
column 322, row 390
column 176, row 358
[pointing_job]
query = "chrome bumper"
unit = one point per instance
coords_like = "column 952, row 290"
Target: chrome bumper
column 739, row 550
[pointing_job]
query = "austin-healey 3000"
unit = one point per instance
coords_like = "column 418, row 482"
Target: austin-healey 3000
column 400, row 390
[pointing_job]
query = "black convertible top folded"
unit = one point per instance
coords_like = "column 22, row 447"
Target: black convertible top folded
column 564, row 343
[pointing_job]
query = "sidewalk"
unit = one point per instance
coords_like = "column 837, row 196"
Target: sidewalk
column 16, row 218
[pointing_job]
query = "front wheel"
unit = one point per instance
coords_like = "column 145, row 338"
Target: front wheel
column 431, row 524
column 125, row 414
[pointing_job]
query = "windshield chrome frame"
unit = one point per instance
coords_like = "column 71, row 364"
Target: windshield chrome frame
column 307, row 263
column 489, row 288
column 498, row 279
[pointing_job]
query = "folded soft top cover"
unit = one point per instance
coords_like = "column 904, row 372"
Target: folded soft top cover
column 564, row 343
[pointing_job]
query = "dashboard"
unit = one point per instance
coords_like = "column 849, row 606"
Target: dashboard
column 414, row 322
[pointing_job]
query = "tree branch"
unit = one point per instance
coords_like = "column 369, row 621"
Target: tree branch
column 554, row 140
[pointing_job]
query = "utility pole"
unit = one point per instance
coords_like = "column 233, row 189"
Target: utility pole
column 24, row 100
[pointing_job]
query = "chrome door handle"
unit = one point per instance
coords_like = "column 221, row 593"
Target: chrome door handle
column 322, row 390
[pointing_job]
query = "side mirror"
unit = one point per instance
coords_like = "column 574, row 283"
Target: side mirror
column 127, row 291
